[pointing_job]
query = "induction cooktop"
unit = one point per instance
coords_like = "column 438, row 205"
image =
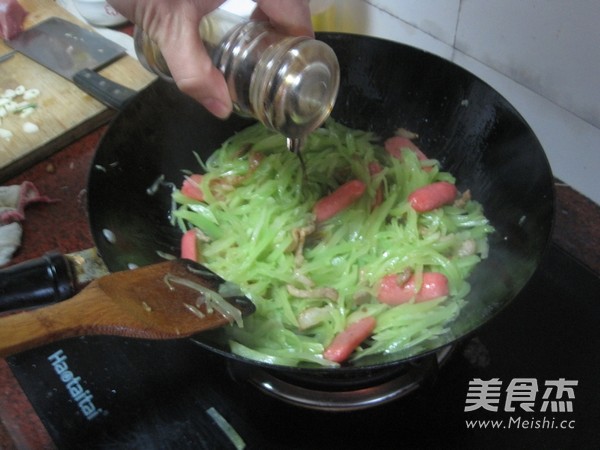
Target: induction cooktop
column 528, row 379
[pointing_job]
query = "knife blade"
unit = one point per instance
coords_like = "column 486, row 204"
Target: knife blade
column 76, row 54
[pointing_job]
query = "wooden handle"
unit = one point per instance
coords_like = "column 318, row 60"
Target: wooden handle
column 134, row 303
column 113, row 95
column 83, row 314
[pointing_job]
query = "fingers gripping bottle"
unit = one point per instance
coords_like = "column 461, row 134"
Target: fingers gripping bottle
column 289, row 83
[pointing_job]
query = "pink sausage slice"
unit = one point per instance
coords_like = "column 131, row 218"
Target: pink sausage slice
column 191, row 187
column 189, row 245
column 434, row 285
column 432, row 196
column 338, row 200
column 395, row 144
column 346, row 341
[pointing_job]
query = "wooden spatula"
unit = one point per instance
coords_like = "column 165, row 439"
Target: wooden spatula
column 152, row 302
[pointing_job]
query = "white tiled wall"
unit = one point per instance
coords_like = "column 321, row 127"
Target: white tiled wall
column 542, row 55
column 550, row 46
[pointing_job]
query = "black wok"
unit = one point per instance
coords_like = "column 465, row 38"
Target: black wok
column 464, row 123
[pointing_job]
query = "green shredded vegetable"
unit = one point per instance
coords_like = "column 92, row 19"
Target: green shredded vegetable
column 257, row 203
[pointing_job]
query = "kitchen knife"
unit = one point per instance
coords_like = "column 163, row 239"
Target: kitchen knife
column 76, row 54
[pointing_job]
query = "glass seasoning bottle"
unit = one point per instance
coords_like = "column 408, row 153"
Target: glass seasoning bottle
column 289, row 83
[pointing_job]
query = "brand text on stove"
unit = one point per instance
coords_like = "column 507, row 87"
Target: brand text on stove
column 82, row 397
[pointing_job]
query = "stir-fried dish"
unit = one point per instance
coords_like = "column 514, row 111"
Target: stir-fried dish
column 367, row 252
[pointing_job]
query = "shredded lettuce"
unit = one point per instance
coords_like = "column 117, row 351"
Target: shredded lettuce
column 257, row 199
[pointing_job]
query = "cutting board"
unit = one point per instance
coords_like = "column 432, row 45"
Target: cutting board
column 63, row 112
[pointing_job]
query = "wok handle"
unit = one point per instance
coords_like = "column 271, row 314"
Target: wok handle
column 40, row 281
column 113, row 95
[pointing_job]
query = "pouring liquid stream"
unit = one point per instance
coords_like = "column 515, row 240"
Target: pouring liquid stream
column 295, row 145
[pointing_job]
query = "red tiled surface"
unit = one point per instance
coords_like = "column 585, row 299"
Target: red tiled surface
column 61, row 226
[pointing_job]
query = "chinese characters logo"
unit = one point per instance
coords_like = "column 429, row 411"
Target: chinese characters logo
column 521, row 394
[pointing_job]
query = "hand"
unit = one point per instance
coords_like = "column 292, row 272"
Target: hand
column 173, row 25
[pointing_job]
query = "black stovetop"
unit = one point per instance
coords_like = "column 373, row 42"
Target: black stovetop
column 158, row 395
